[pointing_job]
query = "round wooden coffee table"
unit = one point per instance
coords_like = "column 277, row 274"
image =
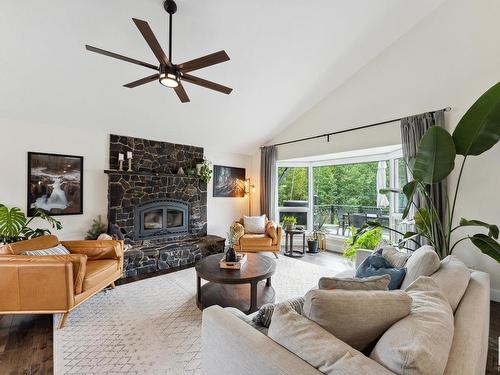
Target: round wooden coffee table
column 243, row 289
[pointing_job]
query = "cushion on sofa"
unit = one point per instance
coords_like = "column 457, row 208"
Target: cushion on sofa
column 317, row 346
column 395, row 257
column 264, row 315
column 423, row 262
column 98, row 271
column 356, row 317
column 350, row 283
column 42, row 242
column 377, row 265
column 419, row 344
column 56, row 250
column 452, row 279
column 255, row 240
column 255, row 224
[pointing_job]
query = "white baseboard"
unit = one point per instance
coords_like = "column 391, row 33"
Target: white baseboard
column 495, row 295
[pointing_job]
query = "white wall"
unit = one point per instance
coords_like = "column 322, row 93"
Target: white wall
column 449, row 59
column 18, row 138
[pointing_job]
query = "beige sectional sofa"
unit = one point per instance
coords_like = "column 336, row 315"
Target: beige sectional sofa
column 231, row 346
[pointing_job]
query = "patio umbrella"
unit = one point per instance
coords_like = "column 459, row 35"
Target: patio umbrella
column 382, row 200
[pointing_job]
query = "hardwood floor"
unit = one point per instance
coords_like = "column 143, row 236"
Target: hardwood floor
column 26, row 340
column 26, row 344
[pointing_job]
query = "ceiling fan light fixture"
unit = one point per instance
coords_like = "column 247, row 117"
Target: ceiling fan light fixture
column 169, row 79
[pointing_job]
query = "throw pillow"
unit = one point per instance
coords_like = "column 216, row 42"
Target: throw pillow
column 318, row 347
column 255, row 224
column 453, row 279
column 247, row 319
column 423, row 262
column 367, row 283
column 420, row 343
column 377, row 265
column 395, row 257
column 357, row 317
column 56, row 250
column 265, row 313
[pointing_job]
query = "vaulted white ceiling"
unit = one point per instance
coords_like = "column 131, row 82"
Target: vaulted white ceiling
column 286, row 55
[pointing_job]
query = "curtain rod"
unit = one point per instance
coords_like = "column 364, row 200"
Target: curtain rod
column 328, row 135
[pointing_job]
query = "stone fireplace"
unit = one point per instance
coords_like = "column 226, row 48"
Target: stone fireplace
column 161, row 214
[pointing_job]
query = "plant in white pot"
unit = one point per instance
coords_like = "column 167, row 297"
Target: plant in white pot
column 476, row 133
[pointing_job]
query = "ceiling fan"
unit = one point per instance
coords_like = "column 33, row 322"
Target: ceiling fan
column 169, row 74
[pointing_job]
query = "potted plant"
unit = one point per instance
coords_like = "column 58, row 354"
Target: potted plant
column 14, row 225
column 289, row 222
column 476, row 132
column 205, row 171
column 232, row 238
column 367, row 240
column 314, row 238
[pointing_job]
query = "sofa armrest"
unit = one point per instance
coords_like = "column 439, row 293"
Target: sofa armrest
column 231, row 346
column 36, row 284
column 279, row 232
column 96, row 249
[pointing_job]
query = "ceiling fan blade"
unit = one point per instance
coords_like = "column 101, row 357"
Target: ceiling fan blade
column 120, row 57
column 181, row 93
column 148, row 34
column 208, row 84
column 203, row 62
column 142, row 81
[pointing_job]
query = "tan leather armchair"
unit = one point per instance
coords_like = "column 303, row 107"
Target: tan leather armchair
column 56, row 283
column 254, row 243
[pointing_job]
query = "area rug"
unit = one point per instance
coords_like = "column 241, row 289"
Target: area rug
column 153, row 326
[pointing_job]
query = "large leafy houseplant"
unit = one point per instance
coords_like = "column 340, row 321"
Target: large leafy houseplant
column 14, row 225
column 476, row 132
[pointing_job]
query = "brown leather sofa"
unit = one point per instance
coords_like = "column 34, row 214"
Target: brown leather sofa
column 254, row 243
column 56, row 283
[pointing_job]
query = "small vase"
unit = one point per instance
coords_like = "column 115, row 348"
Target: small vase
column 230, row 255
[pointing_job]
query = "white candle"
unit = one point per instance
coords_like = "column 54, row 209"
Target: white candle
column 120, row 156
column 129, row 154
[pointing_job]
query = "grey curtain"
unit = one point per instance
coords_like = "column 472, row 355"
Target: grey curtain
column 412, row 130
column 268, row 157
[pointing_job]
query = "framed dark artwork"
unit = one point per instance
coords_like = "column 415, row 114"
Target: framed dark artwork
column 55, row 183
column 229, row 182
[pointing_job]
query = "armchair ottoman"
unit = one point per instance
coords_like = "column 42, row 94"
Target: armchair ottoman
column 56, row 283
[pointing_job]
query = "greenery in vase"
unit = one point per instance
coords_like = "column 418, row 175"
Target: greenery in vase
column 14, row 225
column 205, row 171
column 369, row 239
column 96, row 229
column 289, row 221
column 476, row 132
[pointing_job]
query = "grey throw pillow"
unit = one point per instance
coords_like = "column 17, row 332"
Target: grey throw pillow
column 319, row 348
column 420, row 343
column 350, row 283
column 265, row 313
column 394, row 256
column 423, row 262
column 357, row 317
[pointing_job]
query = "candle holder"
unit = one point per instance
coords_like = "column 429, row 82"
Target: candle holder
column 120, row 161
column 129, row 157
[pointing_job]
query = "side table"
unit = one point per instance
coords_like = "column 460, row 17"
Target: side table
column 290, row 252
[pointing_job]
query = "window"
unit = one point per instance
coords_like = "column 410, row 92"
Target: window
column 340, row 191
column 293, row 193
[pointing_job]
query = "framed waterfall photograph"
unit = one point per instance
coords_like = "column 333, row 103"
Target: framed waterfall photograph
column 229, row 182
column 55, row 183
